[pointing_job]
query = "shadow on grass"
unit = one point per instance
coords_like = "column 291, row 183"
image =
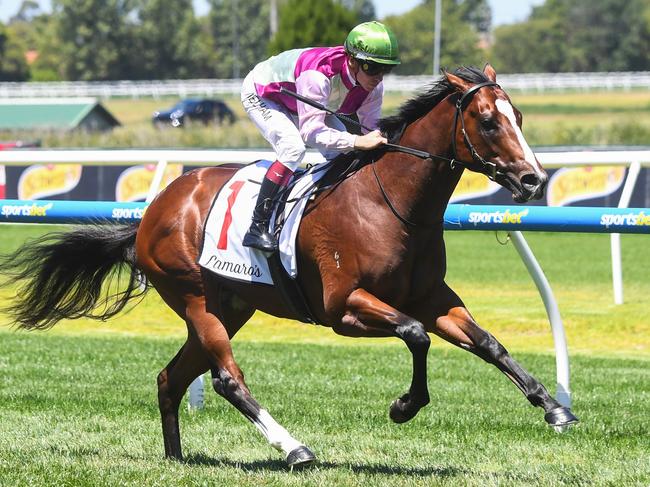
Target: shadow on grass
column 281, row 466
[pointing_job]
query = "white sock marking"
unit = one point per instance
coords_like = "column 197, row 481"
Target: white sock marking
column 276, row 435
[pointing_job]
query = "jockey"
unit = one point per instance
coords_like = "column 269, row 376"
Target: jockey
column 345, row 78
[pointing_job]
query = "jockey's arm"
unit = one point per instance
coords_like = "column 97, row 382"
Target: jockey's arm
column 314, row 131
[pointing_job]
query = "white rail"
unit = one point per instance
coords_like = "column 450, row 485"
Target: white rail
column 538, row 82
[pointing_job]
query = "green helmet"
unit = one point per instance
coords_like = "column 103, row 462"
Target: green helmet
column 373, row 41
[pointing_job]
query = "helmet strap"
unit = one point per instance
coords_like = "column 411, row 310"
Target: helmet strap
column 352, row 63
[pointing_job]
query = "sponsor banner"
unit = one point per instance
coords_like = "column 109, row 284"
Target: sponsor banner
column 546, row 218
column 42, row 211
column 133, row 183
column 100, row 183
column 2, row 182
column 42, row 181
column 570, row 185
column 473, row 185
column 96, row 183
column 457, row 217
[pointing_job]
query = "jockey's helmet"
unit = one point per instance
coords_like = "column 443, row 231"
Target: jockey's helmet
column 374, row 42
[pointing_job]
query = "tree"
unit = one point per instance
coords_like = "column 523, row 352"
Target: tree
column 534, row 46
column 170, row 41
column 240, row 34
column 363, row 9
column 311, row 24
column 41, row 36
column 96, row 39
column 13, row 66
column 459, row 39
column 577, row 35
column 27, row 11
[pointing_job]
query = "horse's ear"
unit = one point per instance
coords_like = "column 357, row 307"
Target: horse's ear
column 490, row 72
column 459, row 83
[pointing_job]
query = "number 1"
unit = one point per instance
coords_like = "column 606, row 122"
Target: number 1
column 227, row 219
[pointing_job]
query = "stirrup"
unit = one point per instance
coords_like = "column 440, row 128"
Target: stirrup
column 258, row 237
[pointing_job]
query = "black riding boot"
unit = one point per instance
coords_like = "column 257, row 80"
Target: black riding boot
column 258, row 235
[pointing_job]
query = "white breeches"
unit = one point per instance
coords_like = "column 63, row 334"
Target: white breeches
column 280, row 127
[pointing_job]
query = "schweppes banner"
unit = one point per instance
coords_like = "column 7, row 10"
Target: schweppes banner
column 41, row 181
column 134, row 182
column 80, row 182
column 584, row 186
column 570, row 185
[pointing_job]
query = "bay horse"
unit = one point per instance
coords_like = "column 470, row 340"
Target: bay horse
column 371, row 258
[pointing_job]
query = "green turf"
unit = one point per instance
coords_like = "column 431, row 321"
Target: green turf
column 494, row 284
column 78, row 403
column 81, row 410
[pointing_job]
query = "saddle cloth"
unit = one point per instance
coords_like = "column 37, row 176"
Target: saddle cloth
column 230, row 217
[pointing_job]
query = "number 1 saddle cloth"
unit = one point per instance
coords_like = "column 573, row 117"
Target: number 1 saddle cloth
column 230, row 217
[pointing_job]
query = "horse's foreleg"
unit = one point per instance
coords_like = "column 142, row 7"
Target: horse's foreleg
column 173, row 381
column 458, row 327
column 228, row 381
column 371, row 316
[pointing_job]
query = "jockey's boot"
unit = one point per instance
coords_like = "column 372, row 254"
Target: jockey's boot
column 258, row 235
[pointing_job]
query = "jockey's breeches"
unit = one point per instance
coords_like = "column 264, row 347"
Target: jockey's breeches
column 280, row 127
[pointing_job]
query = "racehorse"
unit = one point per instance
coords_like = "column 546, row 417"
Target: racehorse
column 371, row 257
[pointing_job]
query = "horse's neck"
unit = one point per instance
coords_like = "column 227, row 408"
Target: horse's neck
column 424, row 187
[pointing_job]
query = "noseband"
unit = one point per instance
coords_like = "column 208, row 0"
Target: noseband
column 478, row 164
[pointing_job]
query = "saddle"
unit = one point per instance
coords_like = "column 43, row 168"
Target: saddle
column 229, row 218
column 335, row 171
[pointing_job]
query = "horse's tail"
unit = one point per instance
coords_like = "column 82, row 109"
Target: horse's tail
column 61, row 275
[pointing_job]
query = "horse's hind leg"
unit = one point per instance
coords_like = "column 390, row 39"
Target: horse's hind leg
column 228, row 381
column 173, row 381
column 456, row 325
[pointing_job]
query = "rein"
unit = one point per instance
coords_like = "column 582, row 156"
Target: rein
column 478, row 164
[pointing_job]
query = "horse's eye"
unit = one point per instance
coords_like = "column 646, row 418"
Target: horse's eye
column 488, row 124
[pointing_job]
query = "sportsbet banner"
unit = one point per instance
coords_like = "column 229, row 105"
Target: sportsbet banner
column 457, row 217
column 584, row 186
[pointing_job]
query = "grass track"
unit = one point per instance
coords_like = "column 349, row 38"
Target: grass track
column 78, row 403
column 490, row 278
column 68, row 423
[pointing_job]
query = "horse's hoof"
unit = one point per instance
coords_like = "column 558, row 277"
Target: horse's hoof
column 403, row 409
column 560, row 419
column 300, row 457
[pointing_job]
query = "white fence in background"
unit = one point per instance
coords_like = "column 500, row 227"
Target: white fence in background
column 530, row 82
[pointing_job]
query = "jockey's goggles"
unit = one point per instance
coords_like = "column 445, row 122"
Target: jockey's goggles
column 373, row 69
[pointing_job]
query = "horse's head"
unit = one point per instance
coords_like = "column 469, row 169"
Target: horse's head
column 488, row 137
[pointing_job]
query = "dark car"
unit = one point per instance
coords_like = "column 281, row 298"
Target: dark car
column 205, row 111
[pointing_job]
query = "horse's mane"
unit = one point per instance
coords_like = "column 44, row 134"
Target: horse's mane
column 393, row 127
column 422, row 104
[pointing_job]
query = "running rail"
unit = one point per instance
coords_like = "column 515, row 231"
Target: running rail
column 584, row 219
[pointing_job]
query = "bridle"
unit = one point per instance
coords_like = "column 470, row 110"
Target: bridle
column 478, row 164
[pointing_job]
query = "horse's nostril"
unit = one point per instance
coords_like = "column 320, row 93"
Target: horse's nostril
column 530, row 181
